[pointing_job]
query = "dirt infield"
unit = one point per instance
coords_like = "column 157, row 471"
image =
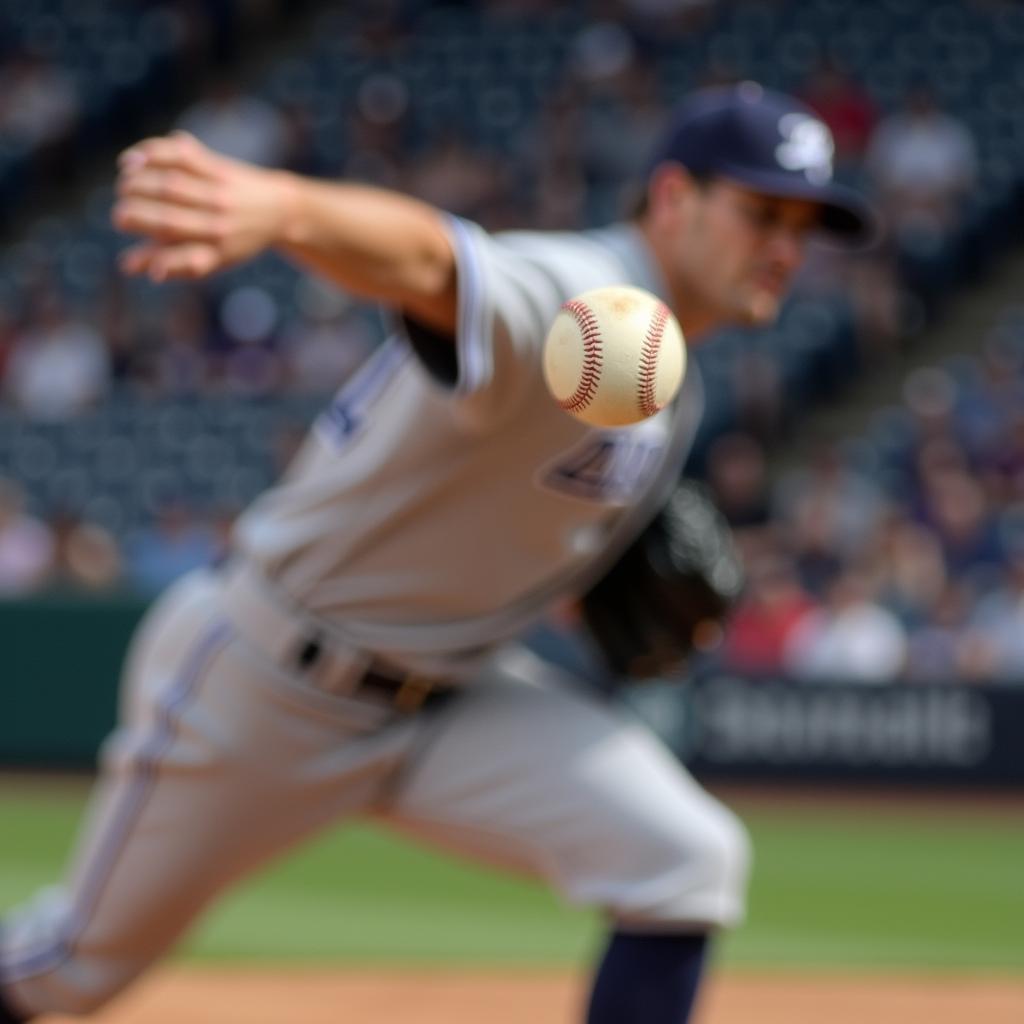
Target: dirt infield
column 203, row 996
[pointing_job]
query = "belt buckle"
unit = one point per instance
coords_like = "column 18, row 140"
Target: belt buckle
column 412, row 692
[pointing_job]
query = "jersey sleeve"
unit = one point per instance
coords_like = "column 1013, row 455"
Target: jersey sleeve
column 510, row 287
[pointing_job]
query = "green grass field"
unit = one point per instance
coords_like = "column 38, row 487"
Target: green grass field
column 926, row 888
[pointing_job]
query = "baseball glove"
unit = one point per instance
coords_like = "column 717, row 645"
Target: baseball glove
column 668, row 591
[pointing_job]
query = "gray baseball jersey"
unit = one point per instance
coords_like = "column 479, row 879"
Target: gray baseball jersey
column 427, row 516
column 437, row 507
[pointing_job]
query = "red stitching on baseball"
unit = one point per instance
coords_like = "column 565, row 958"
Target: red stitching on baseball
column 647, row 383
column 590, row 374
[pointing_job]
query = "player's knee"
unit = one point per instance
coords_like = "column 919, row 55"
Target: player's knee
column 699, row 875
column 723, row 856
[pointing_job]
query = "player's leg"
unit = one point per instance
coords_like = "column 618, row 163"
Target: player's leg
column 217, row 766
column 649, row 977
column 558, row 783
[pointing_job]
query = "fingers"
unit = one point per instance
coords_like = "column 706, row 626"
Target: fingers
column 171, row 186
column 183, row 261
column 167, row 221
column 138, row 258
column 167, row 191
column 179, row 196
column 177, row 151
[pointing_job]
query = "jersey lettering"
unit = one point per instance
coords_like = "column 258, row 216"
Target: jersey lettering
column 346, row 416
column 611, row 468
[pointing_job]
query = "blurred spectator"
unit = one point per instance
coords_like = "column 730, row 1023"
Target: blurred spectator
column 559, row 196
column 239, row 126
column 757, row 389
column 38, row 101
column 600, row 54
column 26, row 544
column 958, row 511
column 86, row 556
column 248, row 319
column 907, row 567
column 830, row 511
column 923, row 161
column 550, row 149
column 8, row 338
column 327, row 344
column 300, row 131
column 930, row 395
column 120, row 328
column 621, row 112
column 847, row 109
column 998, row 627
column 59, row 365
column 760, row 629
column 455, row 177
column 180, row 362
column 1003, row 458
column 990, row 407
column 174, row 544
column 866, row 280
column 738, row 482
column 376, row 131
column 941, row 649
column 851, row 638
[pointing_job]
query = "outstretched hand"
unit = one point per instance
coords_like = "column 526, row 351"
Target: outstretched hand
column 197, row 211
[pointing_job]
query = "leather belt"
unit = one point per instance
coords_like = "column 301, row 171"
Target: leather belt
column 406, row 692
column 305, row 648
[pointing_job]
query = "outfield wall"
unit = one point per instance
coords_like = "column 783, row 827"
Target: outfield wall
column 773, row 730
column 61, row 663
column 62, row 658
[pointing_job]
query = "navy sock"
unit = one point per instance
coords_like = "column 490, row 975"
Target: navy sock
column 647, row 979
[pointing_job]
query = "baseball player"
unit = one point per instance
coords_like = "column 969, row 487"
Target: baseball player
column 357, row 655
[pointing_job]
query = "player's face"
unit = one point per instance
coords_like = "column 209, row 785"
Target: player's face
column 740, row 249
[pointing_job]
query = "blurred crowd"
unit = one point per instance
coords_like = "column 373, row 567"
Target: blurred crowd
column 63, row 349
column 58, row 361
column 878, row 560
column 66, row 554
column 77, row 78
column 898, row 554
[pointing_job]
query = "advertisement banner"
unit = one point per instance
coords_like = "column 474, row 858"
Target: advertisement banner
column 729, row 727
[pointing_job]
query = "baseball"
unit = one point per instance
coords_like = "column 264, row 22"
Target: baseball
column 614, row 356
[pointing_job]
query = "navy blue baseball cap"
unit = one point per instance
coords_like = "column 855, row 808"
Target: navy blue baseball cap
column 770, row 142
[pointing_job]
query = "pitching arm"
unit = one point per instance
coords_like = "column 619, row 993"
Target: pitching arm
column 199, row 212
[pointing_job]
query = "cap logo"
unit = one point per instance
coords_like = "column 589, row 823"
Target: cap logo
column 806, row 146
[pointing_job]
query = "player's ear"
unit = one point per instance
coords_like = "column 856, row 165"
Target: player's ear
column 671, row 192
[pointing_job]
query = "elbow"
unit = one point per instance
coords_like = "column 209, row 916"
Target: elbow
column 428, row 289
column 432, row 268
